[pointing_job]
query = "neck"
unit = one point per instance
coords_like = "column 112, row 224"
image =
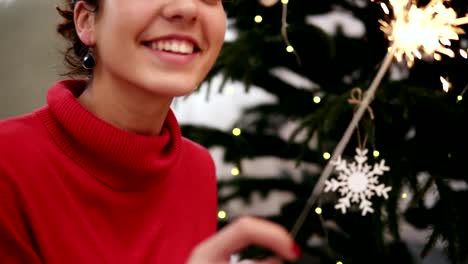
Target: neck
column 126, row 107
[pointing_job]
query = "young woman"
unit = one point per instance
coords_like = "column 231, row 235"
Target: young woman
column 101, row 174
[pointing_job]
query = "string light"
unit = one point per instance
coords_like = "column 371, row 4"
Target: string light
column 437, row 57
column 284, row 30
column 236, row 132
column 318, row 210
column 235, row 172
column 317, row 99
column 339, row 262
column 404, row 195
column 459, row 98
column 326, row 155
column 222, row 214
column 258, row 19
column 376, row 153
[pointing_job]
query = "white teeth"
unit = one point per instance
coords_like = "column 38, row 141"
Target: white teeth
column 176, row 46
column 186, row 48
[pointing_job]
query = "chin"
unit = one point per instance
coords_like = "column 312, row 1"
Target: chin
column 167, row 82
column 171, row 89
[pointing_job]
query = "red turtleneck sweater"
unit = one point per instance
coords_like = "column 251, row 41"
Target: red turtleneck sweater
column 74, row 189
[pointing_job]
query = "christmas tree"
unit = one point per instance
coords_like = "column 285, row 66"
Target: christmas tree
column 415, row 123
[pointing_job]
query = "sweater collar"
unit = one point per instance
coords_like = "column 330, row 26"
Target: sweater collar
column 119, row 159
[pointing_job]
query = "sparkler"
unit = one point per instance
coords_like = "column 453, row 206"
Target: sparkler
column 414, row 33
column 420, row 32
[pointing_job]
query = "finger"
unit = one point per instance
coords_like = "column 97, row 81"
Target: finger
column 248, row 231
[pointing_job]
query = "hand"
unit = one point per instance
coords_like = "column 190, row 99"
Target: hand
column 244, row 232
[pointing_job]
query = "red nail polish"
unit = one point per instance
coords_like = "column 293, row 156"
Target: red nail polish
column 297, row 250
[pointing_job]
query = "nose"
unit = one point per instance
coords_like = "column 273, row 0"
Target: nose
column 181, row 10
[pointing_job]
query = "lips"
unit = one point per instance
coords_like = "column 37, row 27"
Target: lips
column 174, row 44
column 173, row 50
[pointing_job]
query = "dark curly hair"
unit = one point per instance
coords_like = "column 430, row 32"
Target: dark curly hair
column 76, row 49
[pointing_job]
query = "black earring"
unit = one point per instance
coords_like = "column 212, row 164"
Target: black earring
column 88, row 60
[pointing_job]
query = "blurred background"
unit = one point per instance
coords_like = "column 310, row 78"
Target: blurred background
column 30, row 52
column 271, row 111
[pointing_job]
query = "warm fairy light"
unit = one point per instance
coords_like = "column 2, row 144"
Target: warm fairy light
column 235, row 172
column 289, row 49
column 318, row 210
column 404, row 195
column 222, row 214
column 437, row 57
column 339, row 262
column 415, row 32
column 284, row 2
column 258, row 19
column 446, row 85
column 459, row 98
column 236, row 132
column 317, row 99
column 376, row 153
column 326, row 155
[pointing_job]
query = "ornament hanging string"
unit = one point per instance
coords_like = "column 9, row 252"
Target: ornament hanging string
column 369, row 95
column 356, row 100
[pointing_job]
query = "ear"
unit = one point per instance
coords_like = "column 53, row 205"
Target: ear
column 84, row 17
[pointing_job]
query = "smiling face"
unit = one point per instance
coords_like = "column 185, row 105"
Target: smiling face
column 163, row 46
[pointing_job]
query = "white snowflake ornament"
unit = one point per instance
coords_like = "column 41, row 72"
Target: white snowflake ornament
column 357, row 182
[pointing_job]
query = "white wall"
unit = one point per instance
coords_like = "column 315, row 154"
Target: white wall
column 29, row 54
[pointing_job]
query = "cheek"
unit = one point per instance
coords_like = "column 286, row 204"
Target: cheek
column 123, row 20
column 217, row 31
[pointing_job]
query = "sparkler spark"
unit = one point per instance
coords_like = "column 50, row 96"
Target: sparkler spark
column 418, row 32
column 446, row 85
